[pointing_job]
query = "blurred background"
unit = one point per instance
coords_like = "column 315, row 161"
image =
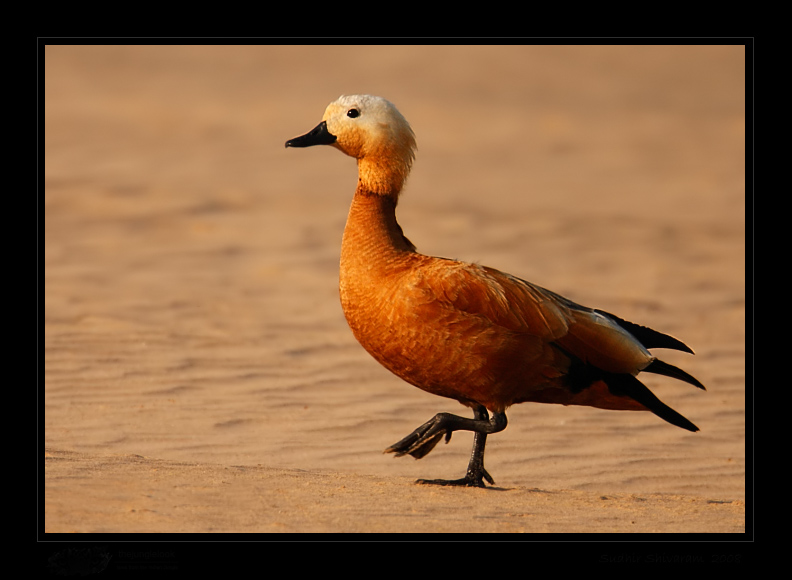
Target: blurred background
column 191, row 261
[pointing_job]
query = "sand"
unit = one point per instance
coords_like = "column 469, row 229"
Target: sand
column 198, row 372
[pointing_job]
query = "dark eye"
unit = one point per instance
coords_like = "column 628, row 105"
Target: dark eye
column 352, row 113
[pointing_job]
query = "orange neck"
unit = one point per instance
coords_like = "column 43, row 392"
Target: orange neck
column 371, row 226
column 373, row 248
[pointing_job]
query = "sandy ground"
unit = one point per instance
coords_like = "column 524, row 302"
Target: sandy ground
column 199, row 374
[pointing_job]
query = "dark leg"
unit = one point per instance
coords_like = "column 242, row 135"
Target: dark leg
column 424, row 438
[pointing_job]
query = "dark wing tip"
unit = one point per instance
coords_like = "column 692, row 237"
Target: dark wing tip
column 648, row 337
column 659, row 367
column 628, row 385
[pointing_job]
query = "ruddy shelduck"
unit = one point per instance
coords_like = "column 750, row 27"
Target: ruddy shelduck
column 465, row 331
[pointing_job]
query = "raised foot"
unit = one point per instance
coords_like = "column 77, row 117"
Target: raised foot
column 421, row 441
column 427, row 436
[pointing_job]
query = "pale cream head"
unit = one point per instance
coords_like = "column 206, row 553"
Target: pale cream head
column 374, row 132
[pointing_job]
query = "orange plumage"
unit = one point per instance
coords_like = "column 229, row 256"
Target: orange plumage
column 464, row 331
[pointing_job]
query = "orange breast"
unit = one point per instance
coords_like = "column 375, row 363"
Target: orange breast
column 468, row 332
column 430, row 322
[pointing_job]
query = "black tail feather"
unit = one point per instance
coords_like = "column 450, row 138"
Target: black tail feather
column 663, row 368
column 648, row 337
column 628, row 385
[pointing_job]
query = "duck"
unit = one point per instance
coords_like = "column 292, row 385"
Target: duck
column 465, row 331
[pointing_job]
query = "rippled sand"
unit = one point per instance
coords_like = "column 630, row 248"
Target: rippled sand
column 199, row 374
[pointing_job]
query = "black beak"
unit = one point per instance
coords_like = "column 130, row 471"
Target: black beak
column 319, row 135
